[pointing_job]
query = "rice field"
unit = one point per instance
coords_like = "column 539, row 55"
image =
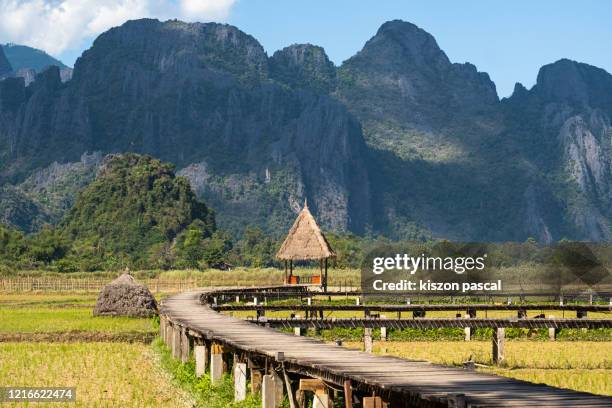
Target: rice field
column 42, row 313
column 579, row 365
column 36, row 320
column 104, row 374
column 60, row 339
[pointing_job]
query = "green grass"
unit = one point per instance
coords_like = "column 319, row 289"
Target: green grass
column 201, row 389
column 40, row 319
column 104, row 374
column 68, row 317
column 11, row 300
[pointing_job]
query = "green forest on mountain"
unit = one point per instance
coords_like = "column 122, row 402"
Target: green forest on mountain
column 137, row 213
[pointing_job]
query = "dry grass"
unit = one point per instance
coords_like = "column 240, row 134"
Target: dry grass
column 594, row 381
column 104, row 374
column 165, row 281
column 579, row 365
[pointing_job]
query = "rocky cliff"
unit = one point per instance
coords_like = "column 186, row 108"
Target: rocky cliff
column 410, row 97
column 5, row 65
column 304, row 66
column 25, row 62
column 201, row 96
column 398, row 140
column 564, row 130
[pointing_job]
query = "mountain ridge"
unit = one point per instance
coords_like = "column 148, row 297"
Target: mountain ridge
column 398, row 140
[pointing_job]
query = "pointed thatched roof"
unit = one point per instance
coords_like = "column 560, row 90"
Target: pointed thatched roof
column 305, row 240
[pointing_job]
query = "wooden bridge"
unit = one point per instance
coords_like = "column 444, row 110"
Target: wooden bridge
column 299, row 367
column 418, row 309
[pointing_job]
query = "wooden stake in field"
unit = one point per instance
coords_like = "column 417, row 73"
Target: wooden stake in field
column 499, row 341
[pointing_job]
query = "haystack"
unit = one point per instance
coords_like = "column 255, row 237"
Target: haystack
column 125, row 297
column 305, row 242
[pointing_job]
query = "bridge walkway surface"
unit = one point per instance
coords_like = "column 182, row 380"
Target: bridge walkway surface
column 401, row 382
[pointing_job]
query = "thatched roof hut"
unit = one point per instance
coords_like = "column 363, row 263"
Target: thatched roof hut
column 125, row 297
column 305, row 242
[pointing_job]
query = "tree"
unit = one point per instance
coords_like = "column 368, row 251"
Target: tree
column 48, row 245
column 216, row 249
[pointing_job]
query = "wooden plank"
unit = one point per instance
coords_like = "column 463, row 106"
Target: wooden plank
column 422, row 380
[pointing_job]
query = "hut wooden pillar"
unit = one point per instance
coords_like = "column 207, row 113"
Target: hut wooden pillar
column 321, row 276
column 286, row 281
column 325, row 276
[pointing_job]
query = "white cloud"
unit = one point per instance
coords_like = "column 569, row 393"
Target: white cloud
column 59, row 25
column 213, row 9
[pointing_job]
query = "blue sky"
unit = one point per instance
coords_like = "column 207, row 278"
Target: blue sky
column 510, row 40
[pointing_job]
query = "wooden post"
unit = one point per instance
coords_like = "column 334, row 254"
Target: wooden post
column 499, row 339
column 169, row 334
column 552, row 331
column 286, row 281
column 456, row 401
column 367, row 339
column 321, row 401
column 268, row 393
column 185, row 345
column 200, row 359
column 256, row 379
column 468, row 333
column 162, row 327
column 240, row 381
column 216, row 367
column 325, row 281
column 290, row 395
column 297, row 331
column 321, row 277
column 580, row 314
column 373, row 402
column 271, row 391
column 348, row 394
column 300, row 398
column 216, row 363
column 176, row 342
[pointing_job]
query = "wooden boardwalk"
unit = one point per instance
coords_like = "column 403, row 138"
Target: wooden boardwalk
column 403, row 382
column 433, row 323
column 416, row 307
